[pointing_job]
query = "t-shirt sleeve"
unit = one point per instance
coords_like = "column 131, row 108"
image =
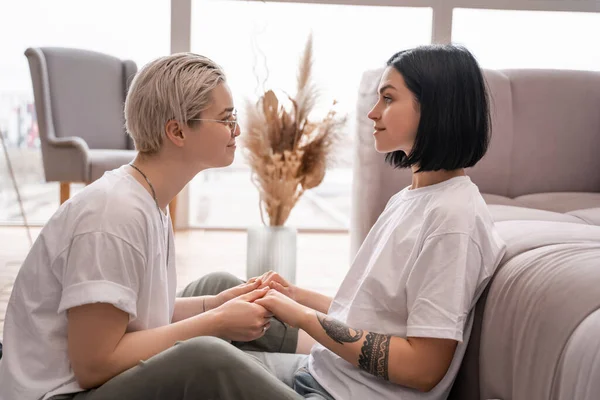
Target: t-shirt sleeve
column 442, row 285
column 102, row 268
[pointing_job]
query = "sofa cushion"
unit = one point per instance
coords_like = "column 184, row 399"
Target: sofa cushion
column 496, row 199
column 560, row 202
column 512, row 213
column 590, row 215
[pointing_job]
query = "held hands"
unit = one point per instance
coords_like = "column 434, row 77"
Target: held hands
column 275, row 281
column 284, row 308
column 231, row 293
column 242, row 319
column 245, row 310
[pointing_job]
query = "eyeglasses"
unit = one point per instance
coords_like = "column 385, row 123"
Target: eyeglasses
column 231, row 123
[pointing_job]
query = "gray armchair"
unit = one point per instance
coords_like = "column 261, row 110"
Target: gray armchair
column 79, row 97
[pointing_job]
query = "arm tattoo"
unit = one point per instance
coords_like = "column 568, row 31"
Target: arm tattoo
column 338, row 331
column 374, row 355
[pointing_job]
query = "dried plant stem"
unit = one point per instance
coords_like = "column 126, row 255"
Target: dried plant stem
column 288, row 154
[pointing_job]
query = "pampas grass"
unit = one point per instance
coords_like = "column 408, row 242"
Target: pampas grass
column 288, row 153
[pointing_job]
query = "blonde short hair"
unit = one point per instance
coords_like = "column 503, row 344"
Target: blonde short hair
column 176, row 87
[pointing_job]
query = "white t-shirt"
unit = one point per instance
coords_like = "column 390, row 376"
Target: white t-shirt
column 418, row 273
column 108, row 244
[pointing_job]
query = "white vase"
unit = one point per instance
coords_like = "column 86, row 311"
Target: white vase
column 271, row 248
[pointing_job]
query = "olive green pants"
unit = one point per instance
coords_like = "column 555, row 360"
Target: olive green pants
column 211, row 368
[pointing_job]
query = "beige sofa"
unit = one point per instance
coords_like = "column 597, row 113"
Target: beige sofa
column 535, row 329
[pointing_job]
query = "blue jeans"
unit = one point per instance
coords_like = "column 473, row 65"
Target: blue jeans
column 292, row 369
column 306, row 385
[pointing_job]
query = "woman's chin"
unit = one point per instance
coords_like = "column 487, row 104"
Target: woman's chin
column 381, row 148
column 384, row 148
column 227, row 161
column 223, row 162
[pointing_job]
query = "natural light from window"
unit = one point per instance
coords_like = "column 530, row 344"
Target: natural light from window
column 529, row 39
column 348, row 40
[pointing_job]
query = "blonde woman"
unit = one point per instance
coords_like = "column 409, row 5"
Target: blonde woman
column 96, row 294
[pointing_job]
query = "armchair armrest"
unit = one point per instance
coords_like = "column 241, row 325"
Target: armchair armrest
column 69, row 142
column 66, row 159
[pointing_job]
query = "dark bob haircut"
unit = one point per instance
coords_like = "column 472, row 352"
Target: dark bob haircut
column 454, row 128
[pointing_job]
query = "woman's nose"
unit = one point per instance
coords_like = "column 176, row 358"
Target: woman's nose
column 373, row 114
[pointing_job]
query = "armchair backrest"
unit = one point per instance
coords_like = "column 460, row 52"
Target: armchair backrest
column 81, row 93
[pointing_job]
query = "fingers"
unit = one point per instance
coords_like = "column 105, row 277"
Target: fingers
column 275, row 293
column 265, row 278
column 267, row 304
column 261, row 310
column 245, row 288
column 260, row 328
column 273, row 277
column 254, row 333
column 254, row 295
column 254, row 284
column 258, row 333
column 279, row 287
column 279, row 279
column 254, row 279
column 262, row 302
column 267, row 274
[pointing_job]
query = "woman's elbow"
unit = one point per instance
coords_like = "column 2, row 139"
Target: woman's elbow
column 85, row 381
column 430, row 379
column 423, row 382
column 428, row 383
column 89, row 376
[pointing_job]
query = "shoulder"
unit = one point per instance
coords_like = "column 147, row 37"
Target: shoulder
column 459, row 208
column 464, row 212
column 113, row 205
column 453, row 211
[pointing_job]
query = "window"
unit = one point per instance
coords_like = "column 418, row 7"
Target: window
column 133, row 29
column 529, row 39
column 243, row 37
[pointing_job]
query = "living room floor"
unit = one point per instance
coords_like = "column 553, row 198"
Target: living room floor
column 323, row 258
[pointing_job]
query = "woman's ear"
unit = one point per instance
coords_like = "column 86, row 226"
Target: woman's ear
column 174, row 132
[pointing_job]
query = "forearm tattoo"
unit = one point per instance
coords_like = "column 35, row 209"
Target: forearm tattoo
column 374, row 355
column 338, row 331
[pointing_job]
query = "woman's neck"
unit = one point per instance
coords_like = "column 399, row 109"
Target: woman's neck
column 428, row 178
column 166, row 174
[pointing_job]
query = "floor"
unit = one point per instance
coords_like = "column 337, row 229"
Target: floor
column 323, row 259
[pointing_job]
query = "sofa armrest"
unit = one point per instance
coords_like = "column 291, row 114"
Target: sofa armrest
column 367, row 201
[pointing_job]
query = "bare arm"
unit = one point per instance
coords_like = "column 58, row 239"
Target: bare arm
column 316, row 301
column 187, row 307
column 419, row 363
column 99, row 347
column 114, row 351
